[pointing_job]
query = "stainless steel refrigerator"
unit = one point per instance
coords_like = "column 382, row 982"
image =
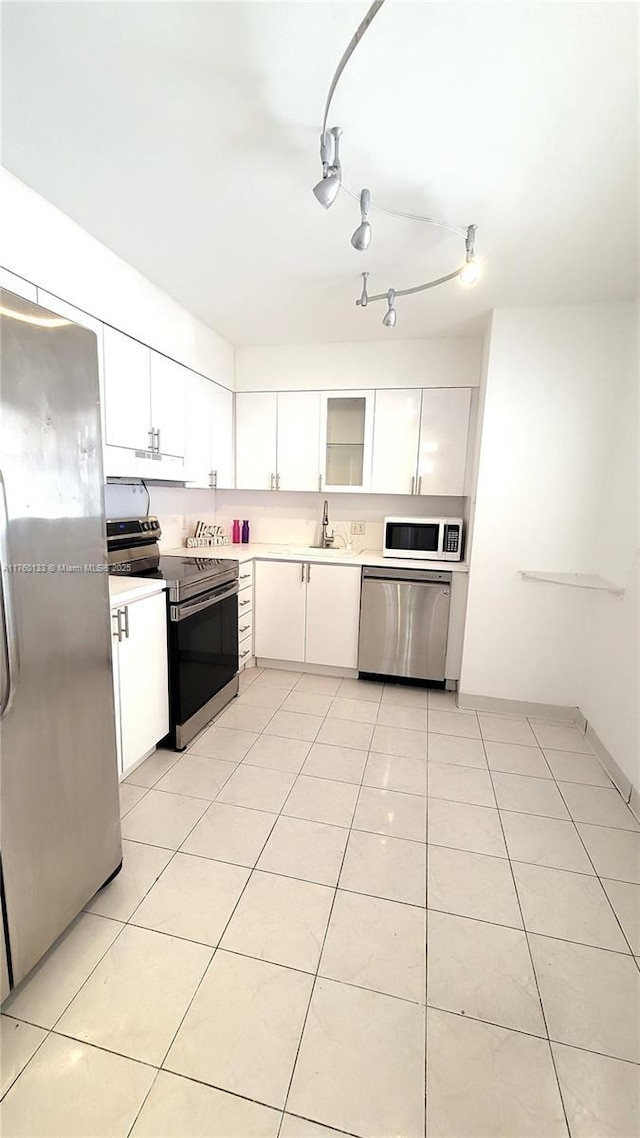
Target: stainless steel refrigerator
column 60, row 829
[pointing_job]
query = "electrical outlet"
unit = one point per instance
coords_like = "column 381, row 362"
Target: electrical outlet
column 357, row 529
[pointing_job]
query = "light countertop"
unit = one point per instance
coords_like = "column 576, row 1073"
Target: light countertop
column 125, row 590
column 279, row 551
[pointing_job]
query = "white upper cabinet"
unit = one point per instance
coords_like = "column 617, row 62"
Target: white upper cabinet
column 221, row 436
column 444, row 430
column 256, row 427
column 298, row 436
column 127, row 381
column 346, row 440
column 209, row 433
column 395, row 441
column 168, row 404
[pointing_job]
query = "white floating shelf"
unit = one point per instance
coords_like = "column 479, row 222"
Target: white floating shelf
column 576, row 580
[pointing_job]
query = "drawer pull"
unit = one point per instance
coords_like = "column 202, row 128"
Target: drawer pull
column 244, row 576
column 243, row 654
column 247, row 602
column 245, row 628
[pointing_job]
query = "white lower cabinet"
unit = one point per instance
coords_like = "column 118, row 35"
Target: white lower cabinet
column 280, row 610
column 333, row 615
column 140, row 679
column 307, row 613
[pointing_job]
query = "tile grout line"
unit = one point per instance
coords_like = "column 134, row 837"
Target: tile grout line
column 599, row 879
column 326, row 932
column 533, row 969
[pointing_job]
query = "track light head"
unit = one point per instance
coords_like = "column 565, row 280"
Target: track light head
column 390, row 316
column 362, row 236
column 326, row 190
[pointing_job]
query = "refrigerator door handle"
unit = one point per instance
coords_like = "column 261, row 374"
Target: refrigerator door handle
column 10, row 669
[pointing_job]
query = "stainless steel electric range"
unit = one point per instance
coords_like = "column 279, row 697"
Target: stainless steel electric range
column 202, row 626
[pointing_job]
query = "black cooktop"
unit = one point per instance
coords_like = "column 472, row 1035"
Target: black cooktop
column 175, row 567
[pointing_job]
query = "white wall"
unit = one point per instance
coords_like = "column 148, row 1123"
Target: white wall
column 46, row 247
column 559, row 386
column 333, row 367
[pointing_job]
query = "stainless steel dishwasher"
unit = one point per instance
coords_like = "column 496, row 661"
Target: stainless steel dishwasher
column 404, row 621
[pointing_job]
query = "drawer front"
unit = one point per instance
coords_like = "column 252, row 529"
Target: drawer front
column 245, row 577
column 245, row 601
column 245, row 625
column 245, row 651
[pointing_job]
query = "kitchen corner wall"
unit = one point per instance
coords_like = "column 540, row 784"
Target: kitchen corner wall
column 558, row 491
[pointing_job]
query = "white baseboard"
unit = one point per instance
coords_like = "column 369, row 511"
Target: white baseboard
column 617, row 776
column 623, row 784
column 314, row 669
column 518, row 707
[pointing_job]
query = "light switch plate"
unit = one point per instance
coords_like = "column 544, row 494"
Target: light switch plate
column 357, row 529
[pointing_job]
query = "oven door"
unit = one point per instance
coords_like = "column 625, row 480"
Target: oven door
column 203, row 658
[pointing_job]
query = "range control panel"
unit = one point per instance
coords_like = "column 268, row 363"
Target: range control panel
column 118, row 528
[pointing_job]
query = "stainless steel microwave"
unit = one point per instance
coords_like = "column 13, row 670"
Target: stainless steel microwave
column 425, row 539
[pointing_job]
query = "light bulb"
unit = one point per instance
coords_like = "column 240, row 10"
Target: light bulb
column 470, row 273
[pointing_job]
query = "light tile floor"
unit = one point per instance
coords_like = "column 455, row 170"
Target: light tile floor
column 285, row 954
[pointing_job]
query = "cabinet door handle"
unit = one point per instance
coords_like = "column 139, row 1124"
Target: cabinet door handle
column 308, row 572
column 157, row 440
column 126, row 621
column 151, row 437
column 420, row 485
column 272, row 481
column 277, row 481
column 413, row 484
column 245, row 628
column 116, row 631
column 302, row 572
column 319, row 482
column 213, row 479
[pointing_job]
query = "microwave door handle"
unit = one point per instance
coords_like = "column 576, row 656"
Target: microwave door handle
column 11, row 656
column 181, row 612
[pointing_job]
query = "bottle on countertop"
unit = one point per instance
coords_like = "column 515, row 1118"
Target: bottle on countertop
column 235, row 538
column 245, row 532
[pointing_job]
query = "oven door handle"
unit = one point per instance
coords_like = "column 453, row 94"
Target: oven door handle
column 181, row 612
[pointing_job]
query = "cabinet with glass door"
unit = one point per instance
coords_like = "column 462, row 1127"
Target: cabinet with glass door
column 346, row 440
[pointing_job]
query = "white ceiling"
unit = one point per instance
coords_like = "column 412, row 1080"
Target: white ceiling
column 185, row 137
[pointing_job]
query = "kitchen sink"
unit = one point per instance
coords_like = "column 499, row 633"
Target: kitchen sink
column 314, row 551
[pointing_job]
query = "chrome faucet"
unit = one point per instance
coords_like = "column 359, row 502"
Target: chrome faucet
column 327, row 539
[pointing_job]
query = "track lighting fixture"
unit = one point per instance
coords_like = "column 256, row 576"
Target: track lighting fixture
column 390, row 316
column 327, row 189
column 362, row 236
column 364, row 299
